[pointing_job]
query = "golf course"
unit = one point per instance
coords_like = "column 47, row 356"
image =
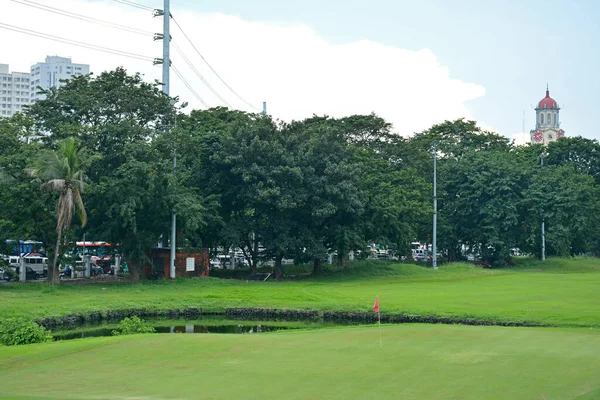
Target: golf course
column 560, row 360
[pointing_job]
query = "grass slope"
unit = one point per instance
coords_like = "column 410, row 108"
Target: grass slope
column 416, row 362
column 558, row 292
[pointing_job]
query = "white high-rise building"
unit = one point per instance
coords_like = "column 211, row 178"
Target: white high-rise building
column 14, row 91
column 50, row 73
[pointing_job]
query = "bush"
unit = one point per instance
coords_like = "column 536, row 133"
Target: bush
column 133, row 325
column 17, row 331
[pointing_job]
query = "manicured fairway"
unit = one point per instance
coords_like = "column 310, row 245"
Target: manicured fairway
column 558, row 292
column 416, row 362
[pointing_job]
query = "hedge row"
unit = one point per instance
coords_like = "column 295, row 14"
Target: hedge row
column 362, row 317
column 266, row 314
column 75, row 320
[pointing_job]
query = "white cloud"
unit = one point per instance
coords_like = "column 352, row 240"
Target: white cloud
column 521, row 138
column 297, row 72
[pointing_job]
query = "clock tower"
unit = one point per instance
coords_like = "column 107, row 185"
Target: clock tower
column 547, row 125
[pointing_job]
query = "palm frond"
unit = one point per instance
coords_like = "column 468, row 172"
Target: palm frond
column 80, row 207
column 62, row 170
column 55, row 184
column 64, row 210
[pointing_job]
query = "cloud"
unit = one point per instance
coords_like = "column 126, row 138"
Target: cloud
column 521, row 138
column 290, row 66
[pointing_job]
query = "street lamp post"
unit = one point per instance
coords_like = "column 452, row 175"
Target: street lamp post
column 435, row 206
column 543, row 221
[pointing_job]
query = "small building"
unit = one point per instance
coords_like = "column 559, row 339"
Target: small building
column 191, row 263
column 547, row 121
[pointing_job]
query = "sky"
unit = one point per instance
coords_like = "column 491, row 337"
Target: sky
column 415, row 63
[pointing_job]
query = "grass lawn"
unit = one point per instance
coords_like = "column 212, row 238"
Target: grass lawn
column 416, row 362
column 558, row 292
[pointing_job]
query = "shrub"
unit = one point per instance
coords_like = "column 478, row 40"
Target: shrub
column 133, row 325
column 17, row 331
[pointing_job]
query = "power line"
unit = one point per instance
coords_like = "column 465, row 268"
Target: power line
column 133, row 4
column 189, row 86
column 209, row 66
column 75, row 43
column 178, row 49
column 82, row 17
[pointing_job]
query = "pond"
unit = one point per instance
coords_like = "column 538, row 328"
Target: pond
column 205, row 325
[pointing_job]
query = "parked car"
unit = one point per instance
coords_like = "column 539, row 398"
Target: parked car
column 30, row 274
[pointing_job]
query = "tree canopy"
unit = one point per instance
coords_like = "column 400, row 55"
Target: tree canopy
column 302, row 189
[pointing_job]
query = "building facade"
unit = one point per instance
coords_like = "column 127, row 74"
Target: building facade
column 14, row 91
column 547, row 125
column 51, row 72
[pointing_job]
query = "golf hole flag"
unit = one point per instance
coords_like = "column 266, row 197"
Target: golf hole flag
column 376, row 305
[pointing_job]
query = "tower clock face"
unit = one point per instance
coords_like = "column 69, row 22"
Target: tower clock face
column 538, row 136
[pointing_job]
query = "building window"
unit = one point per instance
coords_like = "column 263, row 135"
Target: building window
column 549, row 120
column 555, row 119
column 541, row 118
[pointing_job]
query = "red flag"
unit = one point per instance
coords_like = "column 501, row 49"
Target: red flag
column 376, row 305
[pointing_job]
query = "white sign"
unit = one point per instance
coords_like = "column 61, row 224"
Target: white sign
column 190, row 264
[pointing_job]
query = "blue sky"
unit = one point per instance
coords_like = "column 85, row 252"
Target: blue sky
column 413, row 62
column 510, row 47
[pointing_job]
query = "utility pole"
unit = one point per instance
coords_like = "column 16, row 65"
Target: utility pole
column 166, row 65
column 435, row 206
column 543, row 226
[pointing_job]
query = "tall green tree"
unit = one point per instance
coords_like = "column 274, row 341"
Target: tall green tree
column 25, row 211
column 63, row 171
column 485, row 204
column 567, row 201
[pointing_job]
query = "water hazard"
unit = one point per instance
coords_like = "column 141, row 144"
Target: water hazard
column 180, row 327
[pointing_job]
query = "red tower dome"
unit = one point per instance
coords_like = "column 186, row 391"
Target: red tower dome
column 547, row 102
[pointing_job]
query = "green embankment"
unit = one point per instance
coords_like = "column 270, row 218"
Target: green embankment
column 561, row 292
column 416, row 362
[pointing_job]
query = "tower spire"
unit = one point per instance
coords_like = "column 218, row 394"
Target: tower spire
column 547, row 90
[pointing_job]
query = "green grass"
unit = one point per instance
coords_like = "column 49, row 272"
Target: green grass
column 416, row 362
column 562, row 292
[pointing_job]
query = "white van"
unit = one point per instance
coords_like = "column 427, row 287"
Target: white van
column 13, row 261
column 38, row 264
column 419, row 255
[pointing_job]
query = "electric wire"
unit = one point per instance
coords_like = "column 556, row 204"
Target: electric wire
column 188, row 62
column 75, row 43
column 133, row 4
column 185, row 82
column 210, row 66
column 82, row 17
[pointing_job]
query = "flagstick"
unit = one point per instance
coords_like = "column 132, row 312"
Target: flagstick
column 380, row 340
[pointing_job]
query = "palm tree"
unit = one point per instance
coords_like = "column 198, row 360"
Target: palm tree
column 62, row 171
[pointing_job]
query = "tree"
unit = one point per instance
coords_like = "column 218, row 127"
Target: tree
column 454, row 140
column 583, row 154
column 485, row 204
column 63, row 171
column 329, row 201
column 132, row 125
column 567, row 201
column 24, row 210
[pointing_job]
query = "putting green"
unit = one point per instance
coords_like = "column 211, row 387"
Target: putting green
column 416, row 362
